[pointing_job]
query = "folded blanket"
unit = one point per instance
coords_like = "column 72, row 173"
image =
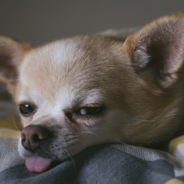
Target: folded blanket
column 102, row 164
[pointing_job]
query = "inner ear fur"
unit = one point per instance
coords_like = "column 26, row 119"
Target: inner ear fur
column 11, row 55
column 159, row 46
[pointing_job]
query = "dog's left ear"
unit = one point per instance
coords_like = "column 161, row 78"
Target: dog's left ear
column 159, row 48
column 12, row 53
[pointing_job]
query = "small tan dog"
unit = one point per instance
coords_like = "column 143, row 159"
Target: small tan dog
column 93, row 89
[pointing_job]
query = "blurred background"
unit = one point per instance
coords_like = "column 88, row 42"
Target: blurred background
column 41, row 21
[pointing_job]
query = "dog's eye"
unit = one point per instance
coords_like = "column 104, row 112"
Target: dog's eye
column 90, row 111
column 26, row 109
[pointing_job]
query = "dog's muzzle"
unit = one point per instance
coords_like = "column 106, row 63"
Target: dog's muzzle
column 33, row 136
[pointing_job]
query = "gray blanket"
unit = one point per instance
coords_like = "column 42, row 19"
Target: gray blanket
column 103, row 164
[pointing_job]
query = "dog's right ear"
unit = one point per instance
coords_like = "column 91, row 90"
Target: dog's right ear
column 158, row 49
column 11, row 56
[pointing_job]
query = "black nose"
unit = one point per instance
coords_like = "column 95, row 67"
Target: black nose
column 33, row 135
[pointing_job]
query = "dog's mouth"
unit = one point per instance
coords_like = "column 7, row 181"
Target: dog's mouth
column 38, row 164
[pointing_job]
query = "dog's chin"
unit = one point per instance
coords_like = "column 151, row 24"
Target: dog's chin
column 35, row 163
column 38, row 164
column 40, row 161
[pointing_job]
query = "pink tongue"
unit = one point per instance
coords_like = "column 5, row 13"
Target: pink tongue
column 37, row 164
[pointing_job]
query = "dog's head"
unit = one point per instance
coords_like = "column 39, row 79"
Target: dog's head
column 94, row 89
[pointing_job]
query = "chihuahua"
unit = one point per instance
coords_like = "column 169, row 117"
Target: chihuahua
column 94, row 89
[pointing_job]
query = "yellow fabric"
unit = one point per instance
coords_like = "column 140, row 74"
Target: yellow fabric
column 9, row 133
column 174, row 143
column 11, row 123
column 10, row 128
column 174, row 181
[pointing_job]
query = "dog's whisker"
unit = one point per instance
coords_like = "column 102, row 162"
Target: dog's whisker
column 16, row 125
column 71, row 158
column 121, row 142
column 89, row 132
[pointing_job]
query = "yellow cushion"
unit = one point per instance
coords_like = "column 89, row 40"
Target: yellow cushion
column 174, row 144
column 174, row 181
column 10, row 128
column 9, row 133
column 11, row 123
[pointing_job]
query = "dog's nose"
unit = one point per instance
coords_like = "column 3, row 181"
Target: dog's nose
column 33, row 135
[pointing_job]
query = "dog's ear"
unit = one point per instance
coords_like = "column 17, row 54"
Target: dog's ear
column 159, row 48
column 11, row 55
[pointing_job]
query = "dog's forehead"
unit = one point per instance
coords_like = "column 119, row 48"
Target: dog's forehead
column 78, row 68
column 72, row 64
column 52, row 63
